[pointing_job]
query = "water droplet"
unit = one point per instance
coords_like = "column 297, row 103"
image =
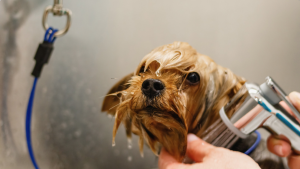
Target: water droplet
column 129, row 158
column 129, row 143
column 142, row 154
column 157, row 73
column 113, row 144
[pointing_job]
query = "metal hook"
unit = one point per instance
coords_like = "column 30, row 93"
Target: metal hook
column 57, row 10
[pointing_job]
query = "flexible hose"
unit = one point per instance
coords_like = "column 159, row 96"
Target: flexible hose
column 258, row 138
column 28, row 122
column 48, row 38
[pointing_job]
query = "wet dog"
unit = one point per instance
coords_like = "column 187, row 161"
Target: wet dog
column 174, row 91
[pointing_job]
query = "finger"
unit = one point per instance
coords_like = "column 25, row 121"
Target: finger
column 197, row 149
column 295, row 99
column 279, row 147
column 166, row 161
column 294, row 162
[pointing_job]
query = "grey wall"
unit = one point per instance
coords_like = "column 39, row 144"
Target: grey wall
column 107, row 39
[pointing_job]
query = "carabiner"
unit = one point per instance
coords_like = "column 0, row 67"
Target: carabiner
column 57, row 10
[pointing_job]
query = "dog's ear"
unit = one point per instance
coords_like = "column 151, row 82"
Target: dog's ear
column 110, row 102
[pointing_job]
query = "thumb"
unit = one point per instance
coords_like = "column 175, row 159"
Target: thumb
column 295, row 99
column 166, row 161
column 197, row 149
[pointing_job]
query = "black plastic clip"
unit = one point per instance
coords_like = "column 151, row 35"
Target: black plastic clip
column 41, row 57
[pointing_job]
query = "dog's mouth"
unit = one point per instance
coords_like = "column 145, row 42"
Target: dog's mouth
column 151, row 109
column 159, row 113
column 165, row 127
column 154, row 111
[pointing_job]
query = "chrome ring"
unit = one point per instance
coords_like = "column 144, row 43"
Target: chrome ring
column 68, row 24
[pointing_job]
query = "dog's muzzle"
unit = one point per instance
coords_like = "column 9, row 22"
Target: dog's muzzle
column 152, row 87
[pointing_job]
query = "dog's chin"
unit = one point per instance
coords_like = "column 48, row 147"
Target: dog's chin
column 163, row 127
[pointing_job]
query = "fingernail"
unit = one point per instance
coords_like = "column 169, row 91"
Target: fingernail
column 192, row 137
column 278, row 150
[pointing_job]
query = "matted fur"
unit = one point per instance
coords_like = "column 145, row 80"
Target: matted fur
column 182, row 108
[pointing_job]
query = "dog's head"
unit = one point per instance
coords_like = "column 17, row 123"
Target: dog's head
column 174, row 91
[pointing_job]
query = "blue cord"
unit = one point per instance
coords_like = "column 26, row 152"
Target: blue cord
column 49, row 38
column 49, row 35
column 255, row 144
column 28, row 122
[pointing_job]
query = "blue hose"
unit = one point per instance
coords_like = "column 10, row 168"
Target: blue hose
column 255, row 143
column 48, row 38
column 28, row 122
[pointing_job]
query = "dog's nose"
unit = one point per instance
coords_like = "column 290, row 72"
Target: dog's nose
column 152, row 87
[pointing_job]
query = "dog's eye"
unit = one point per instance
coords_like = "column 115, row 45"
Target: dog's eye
column 193, row 78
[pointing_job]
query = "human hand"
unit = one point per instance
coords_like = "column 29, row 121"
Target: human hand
column 283, row 148
column 207, row 156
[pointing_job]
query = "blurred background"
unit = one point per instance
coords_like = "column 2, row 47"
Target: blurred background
column 106, row 41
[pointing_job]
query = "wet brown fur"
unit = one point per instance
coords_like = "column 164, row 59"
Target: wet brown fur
column 182, row 108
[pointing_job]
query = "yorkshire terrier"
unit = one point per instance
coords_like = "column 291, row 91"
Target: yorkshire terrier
column 174, row 91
